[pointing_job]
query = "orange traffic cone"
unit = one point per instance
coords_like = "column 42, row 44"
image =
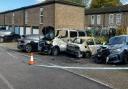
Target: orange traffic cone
column 31, row 61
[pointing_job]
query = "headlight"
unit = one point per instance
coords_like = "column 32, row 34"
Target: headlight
column 118, row 50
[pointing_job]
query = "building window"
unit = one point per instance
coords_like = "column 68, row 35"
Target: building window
column 41, row 15
column 26, row 17
column 13, row 17
column 118, row 19
column 93, row 19
column 98, row 19
column 111, row 19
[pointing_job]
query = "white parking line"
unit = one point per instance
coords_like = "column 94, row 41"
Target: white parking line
column 11, row 55
column 85, row 68
column 10, row 86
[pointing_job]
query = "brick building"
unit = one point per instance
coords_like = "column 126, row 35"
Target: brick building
column 109, row 17
column 55, row 13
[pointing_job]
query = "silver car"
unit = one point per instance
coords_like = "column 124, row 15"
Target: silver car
column 29, row 43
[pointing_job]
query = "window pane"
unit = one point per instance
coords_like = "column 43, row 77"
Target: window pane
column 73, row 34
column 81, row 34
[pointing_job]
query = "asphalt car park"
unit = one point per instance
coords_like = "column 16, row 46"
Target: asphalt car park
column 109, row 75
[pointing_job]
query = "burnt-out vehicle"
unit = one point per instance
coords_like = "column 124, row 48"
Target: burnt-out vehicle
column 115, row 52
column 55, row 40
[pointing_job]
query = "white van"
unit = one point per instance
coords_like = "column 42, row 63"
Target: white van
column 55, row 41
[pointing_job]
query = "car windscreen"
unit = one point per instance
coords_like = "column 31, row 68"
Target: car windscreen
column 117, row 40
column 90, row 41
column 78, row 41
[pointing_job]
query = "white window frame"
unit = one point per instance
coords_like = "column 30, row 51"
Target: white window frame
column 118, row 18
column 41, row 15
column 98, row 19
column 92, row 19
column 111, row 19
column 26, row 17
column 13, row 17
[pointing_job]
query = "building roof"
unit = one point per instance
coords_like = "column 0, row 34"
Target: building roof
column 104, row 10
column 43, row 4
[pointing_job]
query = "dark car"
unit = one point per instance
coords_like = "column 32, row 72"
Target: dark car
column 7, row 36
column 29, row 43
column 116, row 52
column 2, row 28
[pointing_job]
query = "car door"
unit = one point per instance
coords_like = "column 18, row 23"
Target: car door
column 92, row 45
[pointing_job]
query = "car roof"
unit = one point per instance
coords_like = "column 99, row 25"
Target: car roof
column 86, row 37
column 120, row 36
column 33, row 35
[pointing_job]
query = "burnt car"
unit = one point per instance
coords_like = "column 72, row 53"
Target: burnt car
column 83, row 47
column 115, row 52
column 29, row 43
column 7, row 36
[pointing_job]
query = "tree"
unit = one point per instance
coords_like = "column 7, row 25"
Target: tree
column 105, row 3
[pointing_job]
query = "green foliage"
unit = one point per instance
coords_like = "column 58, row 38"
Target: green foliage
column 121, row 31
column 105, row 3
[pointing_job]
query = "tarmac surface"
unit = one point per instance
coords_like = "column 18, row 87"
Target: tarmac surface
column 15, row 73
column 106, row 75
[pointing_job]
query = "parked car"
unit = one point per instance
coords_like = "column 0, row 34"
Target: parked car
column 117, row 51
column 29, row 43
column 83, row 47
column 2, row 28
column 6, row 36
column 55, row 41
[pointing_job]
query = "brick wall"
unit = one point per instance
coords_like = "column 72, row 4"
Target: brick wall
column 67, row 16
column 1, row 19
column 19, row 18
column 8, row 18
column 33, row 16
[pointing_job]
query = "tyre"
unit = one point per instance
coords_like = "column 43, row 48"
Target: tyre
column 98, row 60
column 125, row 59
column 55, row 51
column 87, row 54
column 28, row 48
column 79, row 54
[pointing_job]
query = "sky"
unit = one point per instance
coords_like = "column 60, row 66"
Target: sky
column 13, row 4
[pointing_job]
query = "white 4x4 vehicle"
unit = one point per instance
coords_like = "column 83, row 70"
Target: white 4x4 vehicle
column 83, row 47
column 55, row 41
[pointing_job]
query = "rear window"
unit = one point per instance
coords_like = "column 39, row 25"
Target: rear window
column 81, row 34
column 73, row 34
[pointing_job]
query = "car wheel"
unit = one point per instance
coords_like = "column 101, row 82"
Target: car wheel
column 79, row 54
column 28, row 48
column 125, row 59
column 98, row 60
column 87, row 54
column 1, row 39
column 55, row 51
